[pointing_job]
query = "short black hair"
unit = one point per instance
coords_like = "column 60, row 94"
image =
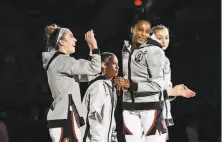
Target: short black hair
column 139, row 18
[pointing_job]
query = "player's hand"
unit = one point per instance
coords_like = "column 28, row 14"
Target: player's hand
column 90, row 39
column 122, row 82
column 177, row 90
column 187, row 93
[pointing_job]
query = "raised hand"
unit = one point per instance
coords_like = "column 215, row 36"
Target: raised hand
column 90, row 39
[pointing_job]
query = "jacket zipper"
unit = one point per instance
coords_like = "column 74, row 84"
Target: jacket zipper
column 112, row 102
column 129, row 73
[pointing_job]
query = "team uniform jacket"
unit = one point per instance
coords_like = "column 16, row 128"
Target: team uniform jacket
column 98, row 105
column 144, row 69
column 63, row 77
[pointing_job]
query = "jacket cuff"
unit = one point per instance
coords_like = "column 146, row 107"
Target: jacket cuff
column 96, row 51
column 133, row 86
column 167, row 95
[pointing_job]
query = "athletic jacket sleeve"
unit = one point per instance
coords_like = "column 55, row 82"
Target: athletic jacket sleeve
column 85, row 78
column 155, row 59
column 71, row 66
column 168, row 91
column 95, row 116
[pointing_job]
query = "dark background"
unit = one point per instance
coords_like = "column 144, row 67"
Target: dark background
column 194, row 53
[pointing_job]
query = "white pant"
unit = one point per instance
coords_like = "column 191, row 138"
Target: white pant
column 56, row 134
column 139, row 124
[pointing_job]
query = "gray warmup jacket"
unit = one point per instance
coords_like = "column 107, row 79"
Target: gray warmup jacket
column 98, row 105
column 63, row 77
column 144, row 69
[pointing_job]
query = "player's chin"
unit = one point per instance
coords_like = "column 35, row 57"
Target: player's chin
column 139, row 42
column 117, row 73
column 164, row 48
column 74, row 51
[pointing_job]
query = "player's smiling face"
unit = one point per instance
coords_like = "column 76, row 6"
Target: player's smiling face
column 140, row 32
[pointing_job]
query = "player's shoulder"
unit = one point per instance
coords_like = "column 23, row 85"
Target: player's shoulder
column 153, row 46
column 153, row 49
column 98, row 81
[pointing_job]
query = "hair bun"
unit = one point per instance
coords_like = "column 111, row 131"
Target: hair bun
column 50, row 29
